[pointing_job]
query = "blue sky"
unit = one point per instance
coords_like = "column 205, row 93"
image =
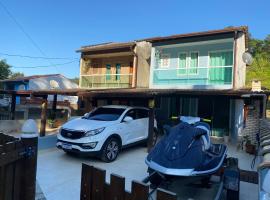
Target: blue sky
column 59, row 27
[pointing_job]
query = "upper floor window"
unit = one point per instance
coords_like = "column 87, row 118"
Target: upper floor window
column 165, row 61
column 222, row 58
column 108, row 72
column 220, row 63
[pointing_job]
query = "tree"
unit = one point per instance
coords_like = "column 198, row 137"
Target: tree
column 260, row 68
column 5, row 71
column 16, row 75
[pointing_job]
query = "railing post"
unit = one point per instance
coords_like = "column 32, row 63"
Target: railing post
column 29, row 138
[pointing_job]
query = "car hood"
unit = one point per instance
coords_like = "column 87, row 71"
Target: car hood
column 86, row 125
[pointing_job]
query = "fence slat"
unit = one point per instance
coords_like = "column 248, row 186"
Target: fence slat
column 98, row 184
column 17, row 175
column 117, row 188
column 86, row 182
column 139, row 191
column 165, row 195
column 9, row 174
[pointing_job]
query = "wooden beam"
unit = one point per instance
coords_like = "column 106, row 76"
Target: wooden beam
column 151, row 104
column 13, row 106
column 54, row 106
column 44, row 106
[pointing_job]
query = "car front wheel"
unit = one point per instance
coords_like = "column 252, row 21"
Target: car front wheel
column 110, row 150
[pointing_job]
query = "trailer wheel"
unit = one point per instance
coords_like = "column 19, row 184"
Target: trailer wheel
column 155, row 180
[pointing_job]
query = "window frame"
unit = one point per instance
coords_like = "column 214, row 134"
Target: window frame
column 161, row 60
column 190, row 62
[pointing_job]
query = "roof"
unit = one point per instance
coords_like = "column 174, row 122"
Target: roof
column 106, row 46
column 27, row 78
column 137, row 93
column 195, row 34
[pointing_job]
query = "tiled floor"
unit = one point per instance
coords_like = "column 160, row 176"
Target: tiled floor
column 59, row 174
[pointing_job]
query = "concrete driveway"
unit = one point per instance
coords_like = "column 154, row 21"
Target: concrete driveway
column 59, row 174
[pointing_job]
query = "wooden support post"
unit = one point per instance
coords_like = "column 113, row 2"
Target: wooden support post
column 44, row 106
column 29, row 167
column 13, row 106
column 54, row 106
column 151, row 104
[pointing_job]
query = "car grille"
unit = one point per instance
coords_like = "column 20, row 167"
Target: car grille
column 72, row 134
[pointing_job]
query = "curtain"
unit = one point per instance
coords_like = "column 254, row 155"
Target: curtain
column 182, row 63
column 221, row 74
column 118, row 72
column 194, row 56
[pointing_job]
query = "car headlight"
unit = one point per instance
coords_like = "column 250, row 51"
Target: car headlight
column 94, row 132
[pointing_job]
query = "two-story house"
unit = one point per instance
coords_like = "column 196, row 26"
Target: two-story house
column 203, row 68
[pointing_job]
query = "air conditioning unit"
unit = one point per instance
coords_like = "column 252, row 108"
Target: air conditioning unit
column 256, row 86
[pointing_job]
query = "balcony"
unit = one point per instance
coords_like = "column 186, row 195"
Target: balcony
column 106, row 81
column 218, row 76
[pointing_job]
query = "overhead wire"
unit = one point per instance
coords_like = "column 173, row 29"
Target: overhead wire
column 45, row 66
column 26, row 34
column 37, row 57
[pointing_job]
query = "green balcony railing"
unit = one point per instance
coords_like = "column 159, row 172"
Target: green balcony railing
column 202, row 76
column 106, row 81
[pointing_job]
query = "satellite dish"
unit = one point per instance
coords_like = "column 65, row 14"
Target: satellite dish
column 247, row 58
column 54, row 84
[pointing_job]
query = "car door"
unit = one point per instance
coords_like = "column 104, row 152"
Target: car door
column 142, row 119
column 130, row 129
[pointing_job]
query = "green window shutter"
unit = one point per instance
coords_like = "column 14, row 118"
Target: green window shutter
column 194, row 62
column 118, row 72
column 108, row 72
column 182, row 64
column 221, row 75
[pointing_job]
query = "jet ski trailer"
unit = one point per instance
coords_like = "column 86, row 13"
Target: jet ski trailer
column 186, row 152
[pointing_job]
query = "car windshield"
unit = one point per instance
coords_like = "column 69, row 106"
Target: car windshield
column 105, row 114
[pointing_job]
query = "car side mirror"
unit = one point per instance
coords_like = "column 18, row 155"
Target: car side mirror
column 85, row 115
column 127, row 119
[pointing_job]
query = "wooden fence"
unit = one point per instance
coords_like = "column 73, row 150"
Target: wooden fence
column 18, row 162
column 94, row 187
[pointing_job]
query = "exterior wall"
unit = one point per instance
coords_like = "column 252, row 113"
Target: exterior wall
column 143, row 52
column 236, row 119
column 240, row 66
column 170, row 79
column 93, row 72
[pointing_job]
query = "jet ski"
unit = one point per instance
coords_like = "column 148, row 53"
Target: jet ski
column 187, row 151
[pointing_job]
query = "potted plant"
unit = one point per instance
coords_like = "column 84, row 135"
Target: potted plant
column 51, row 123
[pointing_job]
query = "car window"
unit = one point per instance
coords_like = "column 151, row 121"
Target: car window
column 131, row 113
column 106, row 114
column 142, row 113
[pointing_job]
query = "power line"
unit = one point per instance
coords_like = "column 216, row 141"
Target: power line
column 36, row 57
column 45, row 66
column 25, row 33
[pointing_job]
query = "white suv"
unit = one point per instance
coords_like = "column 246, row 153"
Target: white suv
column 104, row 131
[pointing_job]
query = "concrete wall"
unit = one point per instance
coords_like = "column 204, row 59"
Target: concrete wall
column 13, row 126
column 240, row 66
column 143, row 51
column 236, row 118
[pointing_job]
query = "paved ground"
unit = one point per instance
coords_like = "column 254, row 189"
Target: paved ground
column 59, row 174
